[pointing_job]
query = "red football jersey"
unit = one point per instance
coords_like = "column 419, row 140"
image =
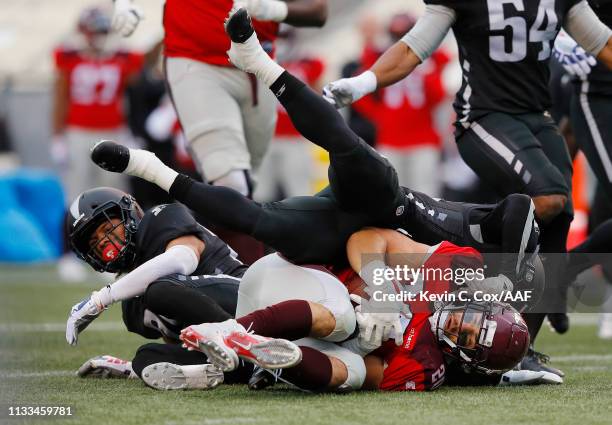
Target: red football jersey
column 308, row 70
column 404, row 112
column 96, row 86
column 194, row 30
column 418, row 364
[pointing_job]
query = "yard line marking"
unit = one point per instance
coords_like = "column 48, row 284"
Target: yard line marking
column 58, row 327
column 582, row 357
column 220, row 421
column 23, row 374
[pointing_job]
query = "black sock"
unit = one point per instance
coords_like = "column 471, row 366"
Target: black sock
column 313, row 116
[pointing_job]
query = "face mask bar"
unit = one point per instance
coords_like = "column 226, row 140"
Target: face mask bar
column 129, row 214
column 474, row 316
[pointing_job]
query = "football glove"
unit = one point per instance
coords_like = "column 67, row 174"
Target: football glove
column 106, row 367
column 529, row 377
column 345, row 91
column 264, row 10
column 126, row 17
column 81, row 315
column 574, row 59
column 376, row 327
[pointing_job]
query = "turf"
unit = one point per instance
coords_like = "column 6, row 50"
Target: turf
column 37, row 367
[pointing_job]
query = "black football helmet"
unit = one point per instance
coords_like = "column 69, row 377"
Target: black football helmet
column 483, row 336
column 93, row 208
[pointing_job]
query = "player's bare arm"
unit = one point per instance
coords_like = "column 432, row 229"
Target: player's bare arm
column 384, row 242
column 398, row 61
column 300, row 13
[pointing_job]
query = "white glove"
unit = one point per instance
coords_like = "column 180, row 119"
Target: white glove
column 341, row 93
column 106, row 367
column 59, row 150
column 529, row 377
column 81, row 315
column 376, row 327
column 264, row 10
column 575, row 60
column 126, row 17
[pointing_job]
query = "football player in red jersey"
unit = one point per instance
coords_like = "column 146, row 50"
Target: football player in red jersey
column 88, row 98
column 227, row 116
column 230, row 121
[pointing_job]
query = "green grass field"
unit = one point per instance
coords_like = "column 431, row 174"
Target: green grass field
column 37, row 368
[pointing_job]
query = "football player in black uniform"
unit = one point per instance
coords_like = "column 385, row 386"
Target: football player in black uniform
column 503, row 131
column 173, row 271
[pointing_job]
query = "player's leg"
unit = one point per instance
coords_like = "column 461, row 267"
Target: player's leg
column 591, row 119
column 211, row 120
column 504, row 151
column 512, row 223
column 359, row 176
column 258, row 108
column 191, row 300
column 265, row 284
column 171, row 367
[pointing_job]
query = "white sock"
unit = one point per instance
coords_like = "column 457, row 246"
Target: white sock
column 146, row 165
column 250, row 57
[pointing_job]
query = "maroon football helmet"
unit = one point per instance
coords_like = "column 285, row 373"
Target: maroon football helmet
column 488, row 337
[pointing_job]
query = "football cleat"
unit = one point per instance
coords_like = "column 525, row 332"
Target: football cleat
column 537, row 362
column 106, row 367
column 262, row 378
column 559, row 322
column 238, row 25
column 110, row 156
column 224, row 343
column 170, row 376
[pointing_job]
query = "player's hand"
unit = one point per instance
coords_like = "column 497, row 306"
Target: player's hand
column 529, row 377
column 375, row 327
column 126, row 17
column 106, row 367
column 81, row 315
column 345, row 91
column 264, row 10
column 574, row 59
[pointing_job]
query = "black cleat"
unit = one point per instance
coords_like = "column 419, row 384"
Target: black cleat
column 559, row 322
column 261, row 379
column 536, row 361
column 238, row 25
column 110, row 156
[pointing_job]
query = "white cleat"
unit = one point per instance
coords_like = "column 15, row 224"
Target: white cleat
column 223, row 343
column 169, row 376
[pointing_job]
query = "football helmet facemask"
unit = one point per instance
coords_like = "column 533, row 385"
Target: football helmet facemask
column 486, row 337
column 88, row 212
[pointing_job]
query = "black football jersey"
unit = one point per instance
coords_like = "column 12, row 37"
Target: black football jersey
column 166, row 222
column 599, row 81
column 504, row 49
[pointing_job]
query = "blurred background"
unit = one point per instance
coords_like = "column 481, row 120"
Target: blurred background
column 410, row 122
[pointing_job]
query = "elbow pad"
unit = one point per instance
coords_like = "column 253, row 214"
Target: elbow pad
column 430, row 30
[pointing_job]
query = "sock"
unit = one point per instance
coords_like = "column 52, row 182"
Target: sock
column 289, row 320
column 250, row 57
column 285, row 87
column 146, row 165
column 313, row 373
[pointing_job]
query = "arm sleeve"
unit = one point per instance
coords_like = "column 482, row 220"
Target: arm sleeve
column 178, row 259
column 585, row 27
column 430, row 30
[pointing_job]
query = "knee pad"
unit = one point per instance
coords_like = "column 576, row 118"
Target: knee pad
column 344, row 314
column 239, row 180
column 355, row 367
